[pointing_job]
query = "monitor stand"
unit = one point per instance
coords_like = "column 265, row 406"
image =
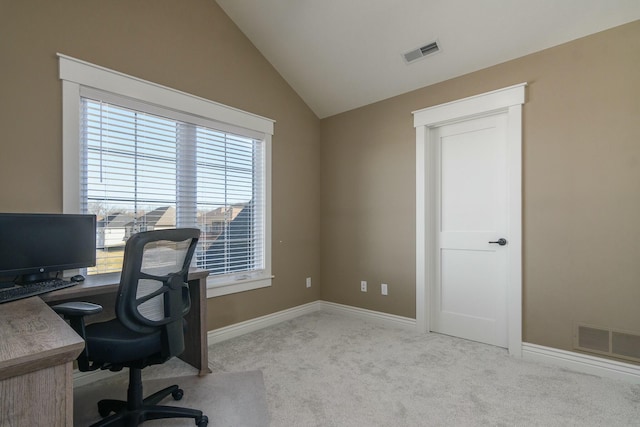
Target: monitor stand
column 26, row 279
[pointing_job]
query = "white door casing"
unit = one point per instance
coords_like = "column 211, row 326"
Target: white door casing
column 508, row 103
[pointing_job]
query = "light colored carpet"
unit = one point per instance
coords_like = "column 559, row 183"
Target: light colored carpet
column 326, row 369
column 228, row 399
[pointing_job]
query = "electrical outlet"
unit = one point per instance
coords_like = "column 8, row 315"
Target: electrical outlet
column 384, row 289
column 363, row 285
column 308, row 282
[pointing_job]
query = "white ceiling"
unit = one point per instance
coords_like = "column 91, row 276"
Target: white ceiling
column 343, row 54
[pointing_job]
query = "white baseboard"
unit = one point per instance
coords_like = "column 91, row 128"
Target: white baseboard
column 237, row 329
column 582, row 363
column 370, row 315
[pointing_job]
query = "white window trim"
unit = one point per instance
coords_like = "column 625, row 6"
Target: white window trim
column 76, row 74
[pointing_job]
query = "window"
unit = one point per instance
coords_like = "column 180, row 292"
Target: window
column 167, row 159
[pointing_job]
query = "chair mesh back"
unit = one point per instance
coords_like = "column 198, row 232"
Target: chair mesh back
column 153, row 292
column 159, row 258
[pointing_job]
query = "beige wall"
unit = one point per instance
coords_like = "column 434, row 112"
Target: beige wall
column 581, row 188
column 191, row 46
column 351, row 178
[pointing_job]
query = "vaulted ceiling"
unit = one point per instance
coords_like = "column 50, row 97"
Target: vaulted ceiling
column 343, row 54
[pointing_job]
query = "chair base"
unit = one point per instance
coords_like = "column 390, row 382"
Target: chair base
column 135, row 417
column 136, row 410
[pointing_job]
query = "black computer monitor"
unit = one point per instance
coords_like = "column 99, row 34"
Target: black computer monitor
column 35, row 246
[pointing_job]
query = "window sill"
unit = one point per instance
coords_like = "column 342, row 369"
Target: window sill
column 220, row 289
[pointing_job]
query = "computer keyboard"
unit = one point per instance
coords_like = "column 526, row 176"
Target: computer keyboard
column 31, row 289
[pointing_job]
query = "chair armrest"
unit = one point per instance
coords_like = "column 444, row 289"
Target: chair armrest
column 74, row 312
column 77, row 308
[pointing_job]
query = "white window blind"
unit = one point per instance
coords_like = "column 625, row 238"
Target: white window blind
column 146, row 168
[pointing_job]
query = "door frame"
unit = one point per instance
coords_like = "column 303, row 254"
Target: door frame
column 508, row 100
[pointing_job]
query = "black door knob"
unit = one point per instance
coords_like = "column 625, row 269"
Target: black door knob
column 500, row 241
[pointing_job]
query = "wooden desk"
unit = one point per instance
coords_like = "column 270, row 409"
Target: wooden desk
column 37, row 350
column 102, row 290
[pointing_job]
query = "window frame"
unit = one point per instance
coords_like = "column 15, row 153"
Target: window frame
column 77, row 75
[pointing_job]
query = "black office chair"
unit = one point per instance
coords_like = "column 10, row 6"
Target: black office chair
column 149, row 327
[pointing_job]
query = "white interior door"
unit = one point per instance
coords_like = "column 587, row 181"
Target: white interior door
column 476, row 262
column 469, row 295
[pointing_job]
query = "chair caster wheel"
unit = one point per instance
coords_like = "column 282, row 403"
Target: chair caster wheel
column 177, row 395
column 202, row 421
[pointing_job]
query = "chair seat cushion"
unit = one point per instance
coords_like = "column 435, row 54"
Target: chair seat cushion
column 111, row 342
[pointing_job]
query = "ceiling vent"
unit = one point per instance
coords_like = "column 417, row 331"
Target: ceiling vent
column 421, row 52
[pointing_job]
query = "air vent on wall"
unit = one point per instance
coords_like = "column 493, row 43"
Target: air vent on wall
column 606, row 341
column 421, row 52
